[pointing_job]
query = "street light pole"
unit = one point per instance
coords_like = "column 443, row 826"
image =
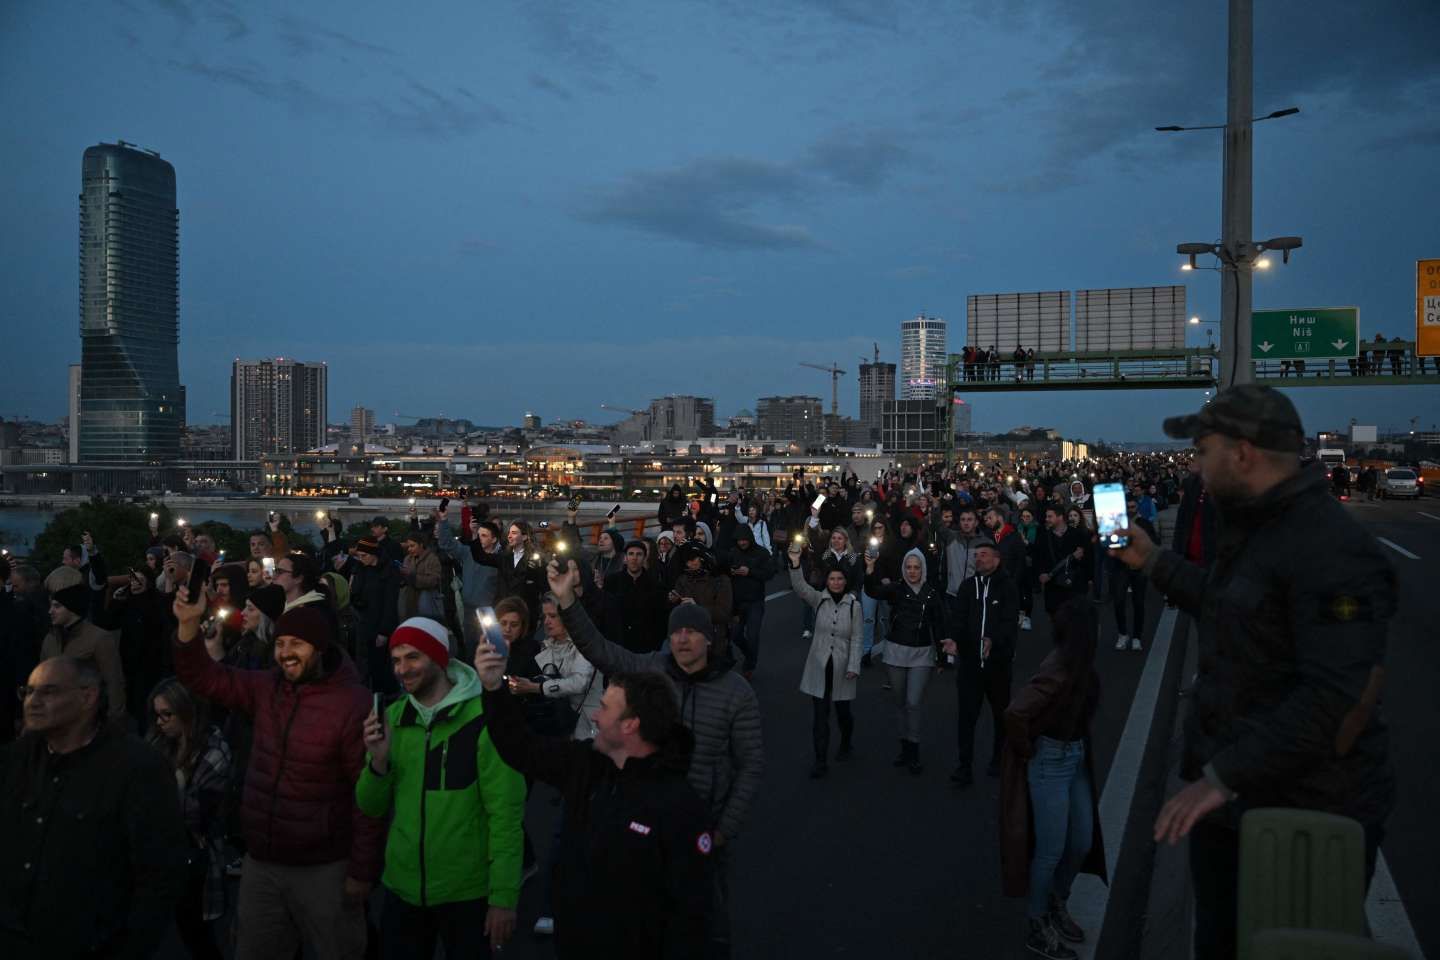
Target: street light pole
column 1237, row 254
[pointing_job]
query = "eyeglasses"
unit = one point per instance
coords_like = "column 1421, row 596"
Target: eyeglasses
column 164, row 716
column 288, row 571
column 44, row 692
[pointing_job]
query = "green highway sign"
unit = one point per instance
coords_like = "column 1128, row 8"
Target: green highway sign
column 1306, row 333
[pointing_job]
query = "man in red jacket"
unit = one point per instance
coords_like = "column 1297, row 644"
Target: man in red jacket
column 312, row 855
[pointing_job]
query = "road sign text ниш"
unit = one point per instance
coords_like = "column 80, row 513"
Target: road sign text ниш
column 1310, row 333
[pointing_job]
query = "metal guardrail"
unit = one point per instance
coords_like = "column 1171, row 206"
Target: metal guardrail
column 1386, row 364
column 1186, row 368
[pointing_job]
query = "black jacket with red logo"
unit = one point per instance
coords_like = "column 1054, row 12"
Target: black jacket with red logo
column 635, row 851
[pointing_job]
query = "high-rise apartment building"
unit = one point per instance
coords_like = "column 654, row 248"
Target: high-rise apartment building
column 277, row 406
column 922, row 358
column 877, row 384
column 129, row 307
column 790, row 418
column 362, row 425
column 681, row 418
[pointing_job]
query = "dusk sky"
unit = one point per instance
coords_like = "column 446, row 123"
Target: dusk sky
column 482, row 208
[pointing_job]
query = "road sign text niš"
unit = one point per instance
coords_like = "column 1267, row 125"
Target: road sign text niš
column 1326, row 333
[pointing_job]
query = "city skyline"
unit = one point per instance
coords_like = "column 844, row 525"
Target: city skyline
column 875, row 172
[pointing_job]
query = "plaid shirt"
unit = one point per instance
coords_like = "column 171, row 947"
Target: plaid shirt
column 202, row 801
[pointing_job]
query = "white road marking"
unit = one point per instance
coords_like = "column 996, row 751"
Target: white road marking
column 1389, row 923
column 778, row 593
column 1430, row 515
column 1397, row 548
column 1090, row 897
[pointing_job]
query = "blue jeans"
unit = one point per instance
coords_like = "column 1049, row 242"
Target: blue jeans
column 1064, row 819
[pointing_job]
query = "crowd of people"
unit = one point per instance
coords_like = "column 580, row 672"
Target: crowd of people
column 318, row 721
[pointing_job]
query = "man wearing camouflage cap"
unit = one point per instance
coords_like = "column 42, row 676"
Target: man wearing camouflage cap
column 1292, row 623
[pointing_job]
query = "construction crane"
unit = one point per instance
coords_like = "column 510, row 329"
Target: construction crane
column 835, row 374
column 877, row 356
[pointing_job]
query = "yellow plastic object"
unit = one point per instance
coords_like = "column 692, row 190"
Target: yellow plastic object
column 1299, row 870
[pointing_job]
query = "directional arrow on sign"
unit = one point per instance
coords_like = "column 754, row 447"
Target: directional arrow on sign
column 1265, row 347
column 1339, row 344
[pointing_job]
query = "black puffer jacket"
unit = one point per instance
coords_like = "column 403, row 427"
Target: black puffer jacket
column 917, row 617
column 1292, row 619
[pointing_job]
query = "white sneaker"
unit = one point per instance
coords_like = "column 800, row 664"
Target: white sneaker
column 545, row 927
column 1025, row 623
column 1134, row 643
column 1122, row 642
column 805, row 635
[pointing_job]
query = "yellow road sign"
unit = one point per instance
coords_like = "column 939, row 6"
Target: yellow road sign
column 1427, row 308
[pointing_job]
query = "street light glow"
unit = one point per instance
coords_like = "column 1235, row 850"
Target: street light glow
column 1195, row 320
column 1263, row 263
column 1186, row 266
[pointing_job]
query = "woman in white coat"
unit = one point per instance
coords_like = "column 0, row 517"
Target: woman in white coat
column 565, row 676
column 833, row 664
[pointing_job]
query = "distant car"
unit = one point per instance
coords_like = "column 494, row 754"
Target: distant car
column 1399, row 482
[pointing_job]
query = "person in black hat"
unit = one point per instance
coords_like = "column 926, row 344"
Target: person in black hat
column 699, row 583
column 1292, row 622
column 390, row 552
column 375, row 597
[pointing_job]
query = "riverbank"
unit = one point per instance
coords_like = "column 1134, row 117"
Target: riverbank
column 24, row 517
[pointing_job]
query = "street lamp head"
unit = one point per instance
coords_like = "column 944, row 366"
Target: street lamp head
column 1170, row 129
column 1263, row 263
column 1195, row 320
column 1187, row 266
column 1283, row 244
column 1192, row 250
column 1287, row 112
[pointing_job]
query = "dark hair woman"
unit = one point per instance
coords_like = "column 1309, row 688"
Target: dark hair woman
column 1047, row 785
column 181, row 730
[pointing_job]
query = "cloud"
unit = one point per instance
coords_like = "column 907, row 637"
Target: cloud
column 262, row 83
column 863, row 160
column 178, row 9
column 1417, row 137
column 305, row 37
column 423, row 110
column 710, row 203
column 577, row 32
column 541, row 82
column 476, row 246
column 1120, row 70
column 718, row 201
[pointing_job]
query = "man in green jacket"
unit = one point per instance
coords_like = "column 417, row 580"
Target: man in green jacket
column 453, row 853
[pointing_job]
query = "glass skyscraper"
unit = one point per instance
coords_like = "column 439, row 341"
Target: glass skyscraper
column 129, row 307
column 922, row 358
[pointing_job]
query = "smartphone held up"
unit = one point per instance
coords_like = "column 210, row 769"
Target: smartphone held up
column 1110, row 517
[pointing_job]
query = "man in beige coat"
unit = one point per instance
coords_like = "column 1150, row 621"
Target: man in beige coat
column 74, row 636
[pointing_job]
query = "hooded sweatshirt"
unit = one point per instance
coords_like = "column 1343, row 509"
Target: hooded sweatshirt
column 917, row 615
column 454, row 806
column 960, row 557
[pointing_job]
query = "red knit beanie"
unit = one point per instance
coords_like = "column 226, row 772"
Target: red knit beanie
column 425, row 635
